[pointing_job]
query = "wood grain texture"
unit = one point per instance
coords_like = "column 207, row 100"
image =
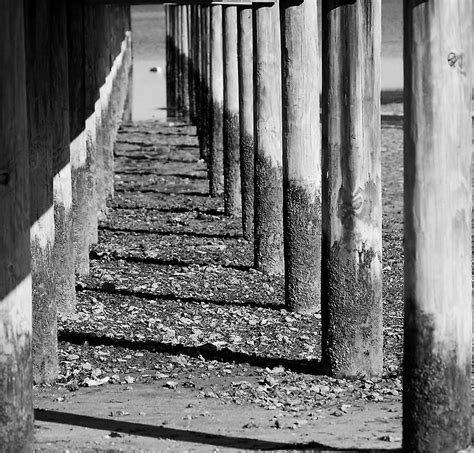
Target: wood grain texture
column 216, row 127
column 352, row 197
column 62, row 184
column 246, row 118
column 232, row 196
column 438, row 210
column 40, row 137
column 16, row 396
column 268, row 141
column 301, row 155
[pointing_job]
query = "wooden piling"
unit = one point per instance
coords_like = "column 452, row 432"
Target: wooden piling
column 184, row 49
column 301, row 155
column 246, row 118
column 82, row 190
column 191, row 42
column 16, row 396
column 64, row 266
column 170, row 61
column 437, row 222
column 128, row 102
column 268, row 193
column 205, row 98
column 231, row 131
column 101, row 68
column 352, row 202
column 93, row 23
column 216, row 126
column 179, row 65
column 40, row 83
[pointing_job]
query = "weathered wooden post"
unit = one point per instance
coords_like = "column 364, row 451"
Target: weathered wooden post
column 190, row 60
column 196, row 39
column 64, row 267
column 179, row 63
column 438, row 206
column 246, row 118
column 184, row 49
column 352, row 201
column 171, row 68
column 169, row 58
column 216, row 126
column 301, row 155
column 269, row 257
column 128, row 104
column 16, row 396
column 82, row 189
column 231, row 132
column 206, row 102
column 102, row 48
column 38, row 25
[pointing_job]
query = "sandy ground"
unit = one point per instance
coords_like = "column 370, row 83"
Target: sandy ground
column 178, row 345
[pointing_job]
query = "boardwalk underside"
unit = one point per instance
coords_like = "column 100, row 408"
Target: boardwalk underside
column 178, row 343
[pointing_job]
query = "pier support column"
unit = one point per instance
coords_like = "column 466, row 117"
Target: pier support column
column 437, row 222
column 268, row 141
column 246, row 137
column 204, row 138
column 301, row 155
column 216, row 126
column 231, row 140
column 41, row 127
column 170, row 62
column 352, row 194
column 82, row 190
column 16, row 389
column 64, row 267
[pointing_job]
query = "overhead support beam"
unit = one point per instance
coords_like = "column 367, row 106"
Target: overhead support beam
column 437, row 225
column 183, row 2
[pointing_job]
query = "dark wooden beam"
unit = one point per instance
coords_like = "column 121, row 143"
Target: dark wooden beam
column 183, row 2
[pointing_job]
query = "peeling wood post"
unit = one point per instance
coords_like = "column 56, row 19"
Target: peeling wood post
column 170, row 61
column 191, row 42
column 197, row 42
column 16, row 395
column 62, row 185
column 268, row 141
column 102, row 66
column 204, row 138
column 184, row 44
column 301, row 155
column 40, row 129
column 82, row 190
column 231, row 137
column 246, row 118
column 438, row 206
column 92, row 27
column 216, row 126
column 128, row 102
column 179, row 65
column 352, row 201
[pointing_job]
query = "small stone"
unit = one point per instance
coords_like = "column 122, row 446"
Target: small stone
column 171, row 385
column 87, row 366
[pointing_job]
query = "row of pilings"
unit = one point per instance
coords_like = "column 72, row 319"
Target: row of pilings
column 304, row 172
column 65, row 76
